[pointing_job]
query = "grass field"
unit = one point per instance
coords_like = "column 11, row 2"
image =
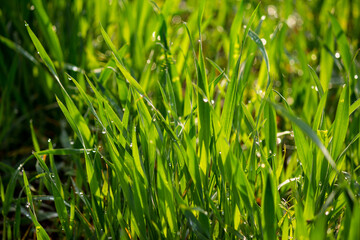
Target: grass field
column 180, row 119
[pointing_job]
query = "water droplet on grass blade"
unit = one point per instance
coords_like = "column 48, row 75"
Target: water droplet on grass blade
column 337, row 55
column 103, row 131
column 356, row 76
column 205, row 100
column 278, row 141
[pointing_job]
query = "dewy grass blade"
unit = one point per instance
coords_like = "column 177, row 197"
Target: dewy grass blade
column 261, row 47
column 341, row 122
column 343, row 46
column 47, row 27
column 110, row 44
column 308, row 131
column 317, row 81
column 18, row 48
column 227, row 114
column 40, row 232
column 235, row 27
column 56, row 189
column 74, row 112
column 43, row 54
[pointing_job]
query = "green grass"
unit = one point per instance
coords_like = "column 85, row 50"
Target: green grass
column 180, row 119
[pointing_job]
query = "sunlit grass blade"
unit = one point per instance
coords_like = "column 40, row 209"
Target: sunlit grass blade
column 48, row 30
column 40, row 232
column 341, row 122
column 308, row 131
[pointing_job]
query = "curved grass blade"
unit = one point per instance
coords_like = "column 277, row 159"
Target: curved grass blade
column 308, row 131
column 47, row 28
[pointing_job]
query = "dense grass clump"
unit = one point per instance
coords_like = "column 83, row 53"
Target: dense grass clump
column 180, row 119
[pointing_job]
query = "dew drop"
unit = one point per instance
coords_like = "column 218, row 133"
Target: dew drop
column 103, row 131
column 20, row 166
column 49, row 140
column 26, row 24
column 278, row 141
column 27, row 205
column 356, row 76
column 205, row 100
column 327, row 213
column 262, row 165
column 337, row 55
column 212, row 102
column 131, row 145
